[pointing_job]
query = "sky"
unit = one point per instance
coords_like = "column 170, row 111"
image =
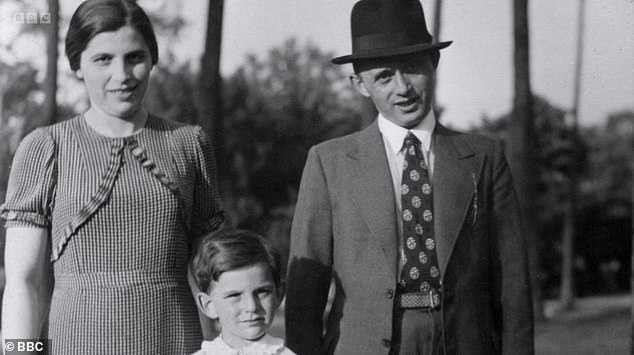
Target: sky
column 475, row 75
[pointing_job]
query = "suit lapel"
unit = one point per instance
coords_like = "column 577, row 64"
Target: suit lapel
column 456, row 174
column 373, row 191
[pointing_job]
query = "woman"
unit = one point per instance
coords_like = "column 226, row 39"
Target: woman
column 106, row 206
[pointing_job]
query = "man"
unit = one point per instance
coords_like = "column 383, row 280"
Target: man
column 417, row 225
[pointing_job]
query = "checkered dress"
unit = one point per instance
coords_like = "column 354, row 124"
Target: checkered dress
column 121, row 214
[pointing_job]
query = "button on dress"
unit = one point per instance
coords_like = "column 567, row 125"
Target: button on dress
column 122, row 214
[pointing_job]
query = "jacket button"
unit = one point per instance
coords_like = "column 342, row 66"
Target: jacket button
column 389, row 294
column 387, row 343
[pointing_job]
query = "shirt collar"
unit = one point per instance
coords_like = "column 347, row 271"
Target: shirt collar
column 395, row 134
column 267, row 345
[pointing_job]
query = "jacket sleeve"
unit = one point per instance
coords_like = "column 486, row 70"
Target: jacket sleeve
column 310, row 261
column 510, row 274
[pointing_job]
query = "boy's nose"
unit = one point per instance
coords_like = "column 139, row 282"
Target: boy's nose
column 251, row 304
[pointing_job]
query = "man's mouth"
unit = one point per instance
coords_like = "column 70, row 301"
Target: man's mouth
column 407, row 103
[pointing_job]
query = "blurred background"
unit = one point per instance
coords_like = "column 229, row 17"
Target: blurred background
column 554, row 80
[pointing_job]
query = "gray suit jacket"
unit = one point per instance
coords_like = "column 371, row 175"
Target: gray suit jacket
column 345, row 227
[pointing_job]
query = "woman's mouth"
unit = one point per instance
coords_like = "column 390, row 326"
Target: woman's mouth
column 123, row 92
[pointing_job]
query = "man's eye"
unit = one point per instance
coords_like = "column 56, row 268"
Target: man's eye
column 385, row 77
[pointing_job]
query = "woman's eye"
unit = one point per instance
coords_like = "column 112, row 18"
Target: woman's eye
column 136, row 58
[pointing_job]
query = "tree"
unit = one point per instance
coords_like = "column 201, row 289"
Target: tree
column 209, row 101
column 436, row 36
column 50, row 82
column 276, row 109
column 522, row 141
column 567, row 276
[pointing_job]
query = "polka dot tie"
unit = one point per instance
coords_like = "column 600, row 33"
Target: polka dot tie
column 420, row 272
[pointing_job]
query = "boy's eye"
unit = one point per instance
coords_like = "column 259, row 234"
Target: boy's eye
column 102, row 59
column 264, row 292
column 232, row 295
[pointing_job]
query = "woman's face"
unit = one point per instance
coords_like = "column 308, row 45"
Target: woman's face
column 115, row 67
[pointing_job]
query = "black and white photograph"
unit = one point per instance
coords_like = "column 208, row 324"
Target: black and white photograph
column 331, row 177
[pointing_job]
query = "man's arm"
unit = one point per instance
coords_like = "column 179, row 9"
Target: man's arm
column 310, row 261
column 516, row 313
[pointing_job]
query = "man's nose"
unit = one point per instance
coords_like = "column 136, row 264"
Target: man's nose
column 401, row 82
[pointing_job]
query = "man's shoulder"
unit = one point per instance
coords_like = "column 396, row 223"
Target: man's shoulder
column 338, row 145
column 475, row 141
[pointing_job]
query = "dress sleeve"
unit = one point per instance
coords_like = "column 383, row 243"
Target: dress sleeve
column 32, row 183
column 207, row 211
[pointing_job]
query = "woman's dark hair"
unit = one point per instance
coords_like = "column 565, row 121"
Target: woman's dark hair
column 96, row 16
column 230, row 249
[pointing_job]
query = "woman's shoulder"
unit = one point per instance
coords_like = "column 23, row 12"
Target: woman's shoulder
column 54, row 132
column 161, row 123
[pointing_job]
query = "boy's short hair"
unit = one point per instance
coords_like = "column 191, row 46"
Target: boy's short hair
column 230, row 249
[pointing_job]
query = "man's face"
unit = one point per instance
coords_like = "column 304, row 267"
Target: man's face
column 400, row 87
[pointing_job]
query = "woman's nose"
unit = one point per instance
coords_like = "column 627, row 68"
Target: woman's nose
column 121, row 70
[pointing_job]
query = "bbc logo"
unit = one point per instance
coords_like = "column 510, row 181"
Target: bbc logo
column 32, row 18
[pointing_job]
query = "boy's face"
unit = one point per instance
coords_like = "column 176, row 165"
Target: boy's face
column 244, row 300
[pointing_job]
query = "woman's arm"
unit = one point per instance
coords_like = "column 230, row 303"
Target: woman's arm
column 29, row 281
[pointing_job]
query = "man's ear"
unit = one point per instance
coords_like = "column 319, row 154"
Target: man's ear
column 359, row 85
column 79, row 74
column 206, row 305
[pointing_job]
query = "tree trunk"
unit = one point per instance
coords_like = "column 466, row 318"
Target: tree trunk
column 522, row 146
column 5, row 161
column 567, row 296
column 210, row 114
column 436, row 35
column 632, row 266
column 50, row 82
column 210, row 82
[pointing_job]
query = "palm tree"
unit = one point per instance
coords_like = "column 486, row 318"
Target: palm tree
column 210, row 81
column 436, row 36
column 209, row 101
column 522, row 149
column 567, row 247
column 50, row 82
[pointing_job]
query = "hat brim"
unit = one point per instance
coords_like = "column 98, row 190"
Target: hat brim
column 389, row 52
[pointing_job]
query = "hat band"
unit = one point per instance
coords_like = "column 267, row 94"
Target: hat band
column 385, row 40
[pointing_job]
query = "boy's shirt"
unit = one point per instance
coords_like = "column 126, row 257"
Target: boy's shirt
column 268, row 345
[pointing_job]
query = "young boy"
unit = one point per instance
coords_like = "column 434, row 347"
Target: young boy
column 238, row 275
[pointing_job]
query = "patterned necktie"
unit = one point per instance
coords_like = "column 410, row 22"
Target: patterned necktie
column 420, row 271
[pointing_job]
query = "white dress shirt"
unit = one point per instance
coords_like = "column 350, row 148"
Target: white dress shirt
column 393, row 139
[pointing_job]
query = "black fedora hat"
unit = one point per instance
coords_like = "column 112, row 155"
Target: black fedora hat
column 385, row 28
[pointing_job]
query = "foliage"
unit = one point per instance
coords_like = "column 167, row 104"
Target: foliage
column 276, row 109
column 171, row 93
column 602, row 158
